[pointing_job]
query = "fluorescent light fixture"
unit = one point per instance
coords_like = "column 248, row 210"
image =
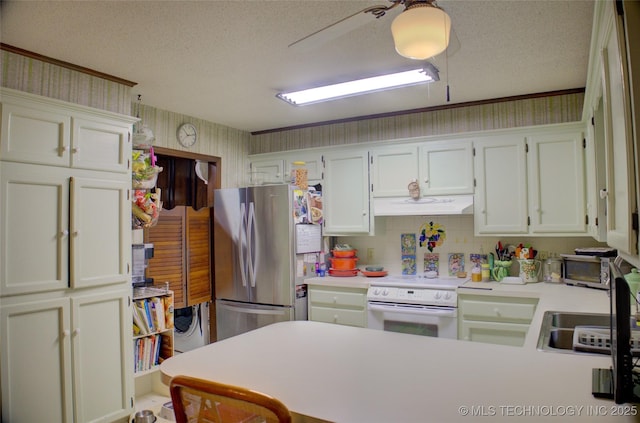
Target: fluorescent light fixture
column 426, row 74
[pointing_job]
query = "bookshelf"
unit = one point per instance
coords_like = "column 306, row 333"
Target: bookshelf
column 153, row 327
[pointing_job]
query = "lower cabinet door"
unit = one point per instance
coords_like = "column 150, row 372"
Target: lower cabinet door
column 102, row 356
column 493, row 332
column 36, row 362
column 66, row 360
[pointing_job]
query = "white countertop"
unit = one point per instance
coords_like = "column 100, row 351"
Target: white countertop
column 355, row 375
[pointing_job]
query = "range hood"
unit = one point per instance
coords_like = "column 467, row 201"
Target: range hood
column 426, row 206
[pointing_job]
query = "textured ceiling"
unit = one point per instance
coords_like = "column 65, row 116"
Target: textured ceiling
column 224, row 61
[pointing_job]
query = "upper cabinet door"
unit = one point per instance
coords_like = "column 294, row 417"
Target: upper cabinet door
column 46, row 131
column 345, row 191
column 393, row 168
column 100, row 244
column 446, row 167
column 500, row 200
column 312, row 162
column 100, row 145
column 557, row 182
column 34, row 231
column 621, row 191
column 270, row 171
column 35, row 135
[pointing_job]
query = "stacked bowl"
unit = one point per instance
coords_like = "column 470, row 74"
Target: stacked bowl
column 343, row 261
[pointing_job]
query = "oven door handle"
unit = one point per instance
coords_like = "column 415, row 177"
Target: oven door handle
column 421, row 310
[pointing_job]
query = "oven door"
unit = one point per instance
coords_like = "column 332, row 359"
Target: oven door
column 413, row 319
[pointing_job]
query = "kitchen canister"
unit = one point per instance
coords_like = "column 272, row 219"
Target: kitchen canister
column 552, row 270
column 530, row 270
column 486, row 272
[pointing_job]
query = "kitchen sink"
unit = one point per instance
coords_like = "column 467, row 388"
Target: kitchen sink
column 556, row 331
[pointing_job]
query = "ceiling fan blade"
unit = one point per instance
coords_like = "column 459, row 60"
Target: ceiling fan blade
column 337, row 29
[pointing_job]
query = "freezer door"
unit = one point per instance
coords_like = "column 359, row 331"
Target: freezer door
column 270, row 245
column 234, row 318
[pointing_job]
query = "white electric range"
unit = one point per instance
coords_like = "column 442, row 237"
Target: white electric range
column 414, row 304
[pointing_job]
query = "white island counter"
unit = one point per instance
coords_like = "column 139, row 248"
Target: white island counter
column 354, row 375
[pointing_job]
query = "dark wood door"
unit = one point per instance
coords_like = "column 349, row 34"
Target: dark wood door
column 182, row 254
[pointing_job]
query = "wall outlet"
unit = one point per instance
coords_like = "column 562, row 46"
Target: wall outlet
column 370, row 253
column 542, row 255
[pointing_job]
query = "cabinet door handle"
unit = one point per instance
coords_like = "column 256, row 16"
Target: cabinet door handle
column 335, row 300
column 75, row 150
column 604, row 193
column 497, row 311
column 64, row 232
column 335, row 318
column 66, row 332
column 76, row 331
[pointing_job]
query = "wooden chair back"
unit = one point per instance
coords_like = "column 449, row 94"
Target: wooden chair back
column 202, row 401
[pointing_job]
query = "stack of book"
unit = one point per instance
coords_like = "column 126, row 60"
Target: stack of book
column 152, row 318
column 151, row 315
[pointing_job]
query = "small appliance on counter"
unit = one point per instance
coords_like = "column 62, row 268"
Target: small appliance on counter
column 588, row 267
column 141, row 254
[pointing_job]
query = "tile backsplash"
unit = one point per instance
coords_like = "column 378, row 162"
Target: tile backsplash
column 386, row 247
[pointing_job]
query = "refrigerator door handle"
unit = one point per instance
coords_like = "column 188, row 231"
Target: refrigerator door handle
column 251, row 245
column 242, row 241
column 269, row 312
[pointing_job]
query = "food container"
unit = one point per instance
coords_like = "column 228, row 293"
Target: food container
column 299, row 175
column 344, row 253
column 343, row 263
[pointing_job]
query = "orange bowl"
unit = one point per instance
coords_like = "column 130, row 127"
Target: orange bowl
column 344, row 263
column 344, row 253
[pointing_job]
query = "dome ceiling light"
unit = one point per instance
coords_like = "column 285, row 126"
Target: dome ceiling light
column 421, row 31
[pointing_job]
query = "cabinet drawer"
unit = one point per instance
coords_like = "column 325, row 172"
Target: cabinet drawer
column 512, row 334
column 338, row 298
column 339, row 316
column 517, row 310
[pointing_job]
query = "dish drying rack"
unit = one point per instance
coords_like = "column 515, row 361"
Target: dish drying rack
column 597, row 339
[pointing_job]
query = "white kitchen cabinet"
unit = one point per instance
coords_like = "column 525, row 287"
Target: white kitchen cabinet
column 66, row 359
column 494, row 319
column 556, row 182
column 500, row 200
column 392, row 169
column 344, row 306
column 619, row 144
column 531, row 182
column 440, row 168
column 64, row 223
column 446, row 167
column 65, row 277
column 60, row 134
column 595, row 165
column 312, row 162
column 266, row 171
column 346, row 205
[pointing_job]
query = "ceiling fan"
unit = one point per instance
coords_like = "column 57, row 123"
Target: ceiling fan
column 423, row 18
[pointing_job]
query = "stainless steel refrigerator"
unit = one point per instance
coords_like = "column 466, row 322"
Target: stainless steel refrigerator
column 256, row 279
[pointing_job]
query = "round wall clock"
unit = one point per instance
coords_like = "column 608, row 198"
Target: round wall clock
column 187, row 134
